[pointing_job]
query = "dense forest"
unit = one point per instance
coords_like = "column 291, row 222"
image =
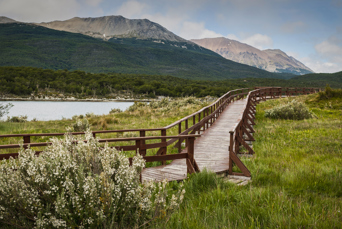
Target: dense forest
column 27, row 81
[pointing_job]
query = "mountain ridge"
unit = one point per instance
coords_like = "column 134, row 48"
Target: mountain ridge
column 32, row 45
column 107, row 27
column 272, row 60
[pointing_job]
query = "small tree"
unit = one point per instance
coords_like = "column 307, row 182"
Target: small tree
column 4, row 108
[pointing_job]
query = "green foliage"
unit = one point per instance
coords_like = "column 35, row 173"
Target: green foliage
column 82, row 185
column 330, row 93
column 115, row 110
column 81, row 125
column 292, row 110
column 296, row 178
column 79, row 84
column 36, row 46
column 4, row 109
column 20, row 118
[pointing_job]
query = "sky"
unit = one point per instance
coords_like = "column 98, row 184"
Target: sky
column 308, row 30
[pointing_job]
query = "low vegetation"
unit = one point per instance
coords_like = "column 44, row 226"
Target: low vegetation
column 296, row 177
column 82, row 185
column 292, row 110
column 38, row 83
column 296, row 171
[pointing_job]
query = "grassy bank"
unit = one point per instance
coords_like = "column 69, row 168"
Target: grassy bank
column 297, row 177
column 155, row 114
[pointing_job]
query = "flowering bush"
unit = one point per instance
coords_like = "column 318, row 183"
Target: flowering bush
column 291, row 110
column 81, row 125
column 83, row 185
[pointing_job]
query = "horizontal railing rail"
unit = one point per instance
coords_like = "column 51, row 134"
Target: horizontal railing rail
column 200, row 121
column 139, row 146
column 242, row 133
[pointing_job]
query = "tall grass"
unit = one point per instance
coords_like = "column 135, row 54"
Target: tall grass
column 296, row 178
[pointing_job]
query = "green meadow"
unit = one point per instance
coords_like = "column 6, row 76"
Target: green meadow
column 296, row 177
column 296, row 170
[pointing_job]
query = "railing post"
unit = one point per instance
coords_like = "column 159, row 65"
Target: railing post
column 26, row 140
column 138, row 145
column 190, row 160
column 186, row 127
column 142, row 151
column 231, row 143
column 164, row 149
column 199, row 120
column 180, row 140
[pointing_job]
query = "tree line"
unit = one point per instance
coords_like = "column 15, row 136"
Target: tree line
column 25, row 81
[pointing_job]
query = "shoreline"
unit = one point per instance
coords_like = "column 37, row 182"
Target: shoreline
column 75, row 100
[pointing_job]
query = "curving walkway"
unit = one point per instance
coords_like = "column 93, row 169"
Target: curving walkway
column 210, row 150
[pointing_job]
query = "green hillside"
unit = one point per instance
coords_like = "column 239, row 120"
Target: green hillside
column 23, row 81
column 333, row 79
column 35, row 46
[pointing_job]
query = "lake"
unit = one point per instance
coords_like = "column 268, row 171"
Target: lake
column 51, row 110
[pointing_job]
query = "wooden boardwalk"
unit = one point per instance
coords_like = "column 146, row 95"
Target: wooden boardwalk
column 210, row 150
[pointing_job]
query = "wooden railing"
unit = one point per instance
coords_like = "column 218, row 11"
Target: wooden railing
column 243, row 130
column 200, row 121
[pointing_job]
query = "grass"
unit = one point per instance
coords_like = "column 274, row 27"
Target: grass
column 141, row 116
column 296, row 173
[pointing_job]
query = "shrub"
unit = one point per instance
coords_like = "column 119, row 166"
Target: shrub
column 79, row 185
column 4, row 108
column 291, row 110
column 330, row 93
column 115, row 110
column 20, row 118
column 81, row 125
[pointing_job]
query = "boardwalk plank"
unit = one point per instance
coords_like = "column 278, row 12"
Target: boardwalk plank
column 210, row 150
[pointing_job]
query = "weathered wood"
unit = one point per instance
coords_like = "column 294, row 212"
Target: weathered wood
column 216, row 150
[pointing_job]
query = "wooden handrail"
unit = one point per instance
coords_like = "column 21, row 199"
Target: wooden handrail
column 243, row 130
column 206, row 117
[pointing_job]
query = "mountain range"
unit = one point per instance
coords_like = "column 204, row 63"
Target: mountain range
column 272, row 60
column 116, row 44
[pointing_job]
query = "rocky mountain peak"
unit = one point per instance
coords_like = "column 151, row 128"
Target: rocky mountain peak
column 114, row 26
column 6, row 20
column 272, row 60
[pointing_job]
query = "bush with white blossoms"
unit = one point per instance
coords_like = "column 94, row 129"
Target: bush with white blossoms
column 83, row 185
column 81, row 125
column 292, row 110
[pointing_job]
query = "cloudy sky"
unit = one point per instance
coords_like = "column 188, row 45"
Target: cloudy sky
column 309, row 30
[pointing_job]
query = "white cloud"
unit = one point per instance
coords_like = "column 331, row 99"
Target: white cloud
column 132, row 9
column 293, row 27
column 196, row 30
column 328, row 57
column 232, row 37
column 331, row 49
column 257, row 40
column 172, row 23
column 320, row 66
column 93, row 2
column 39, row 10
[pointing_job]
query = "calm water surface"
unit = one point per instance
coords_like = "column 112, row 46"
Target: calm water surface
column 50, row 110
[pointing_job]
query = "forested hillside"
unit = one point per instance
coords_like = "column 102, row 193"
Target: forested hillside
column 24, row 81
column 36, row 46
